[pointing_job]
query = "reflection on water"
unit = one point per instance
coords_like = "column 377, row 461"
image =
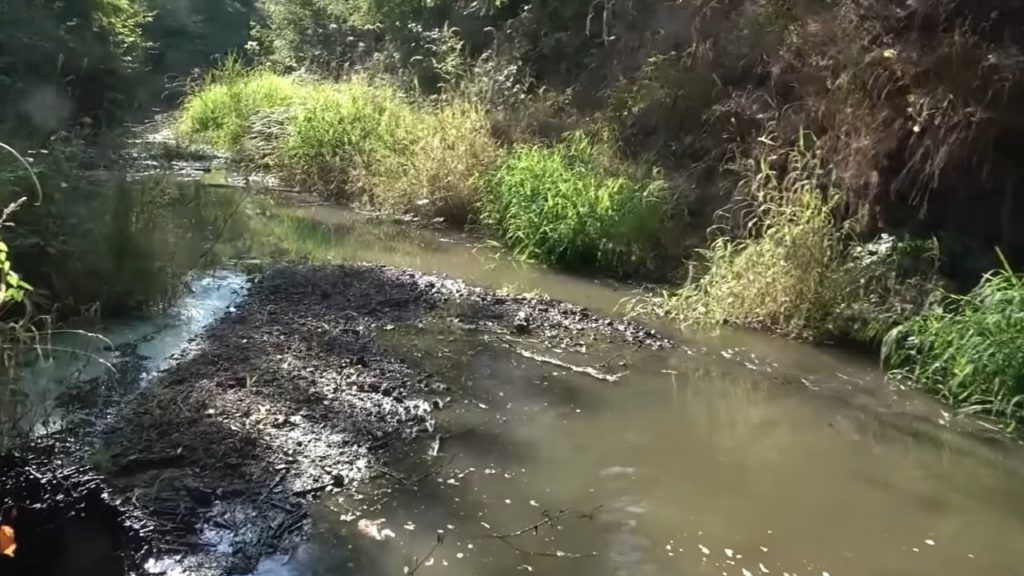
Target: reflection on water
column 690, row 465
column 736, row 455
column 79, row 356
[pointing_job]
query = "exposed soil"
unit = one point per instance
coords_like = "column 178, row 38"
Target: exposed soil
column 289, row 396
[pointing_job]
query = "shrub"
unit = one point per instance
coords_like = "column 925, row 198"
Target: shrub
column 574, row 204
column 781, row 272
column 792, row 268
column 65, row 60
column 969, row 350
column 336, row 135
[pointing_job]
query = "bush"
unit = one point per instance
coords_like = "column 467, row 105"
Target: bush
column 65, row 60
column 443, row 171
column 969, row 350
column 335, row 136
column 792, row 268
column 574, row 204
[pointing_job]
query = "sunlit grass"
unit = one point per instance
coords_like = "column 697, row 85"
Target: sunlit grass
column 575, row 205
column 356, row 139
column 221, row 113
column 792, row 268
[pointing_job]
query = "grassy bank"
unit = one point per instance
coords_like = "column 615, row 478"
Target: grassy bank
column 968, row 349
column 573, row 203
column 815, row 153
column 359, row 139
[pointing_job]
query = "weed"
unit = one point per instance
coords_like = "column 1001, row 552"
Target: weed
column 444, row 170
column 335, row 136
column 574, row 204
column 969, row 350
column 792, row 268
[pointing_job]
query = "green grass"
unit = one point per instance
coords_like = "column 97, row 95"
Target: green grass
column 222, row 112
column 968, row 350
column 357, row 139
column 336, row 136
column 575, row 205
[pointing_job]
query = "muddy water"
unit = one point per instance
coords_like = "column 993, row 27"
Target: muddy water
column 75, row 356
column 735, row 455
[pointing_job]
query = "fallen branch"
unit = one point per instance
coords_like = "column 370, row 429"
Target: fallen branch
column 273, row 485
column 387, row 472
column 548, row 519
column 588, row 370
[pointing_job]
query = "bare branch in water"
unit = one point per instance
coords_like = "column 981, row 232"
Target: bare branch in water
column 547, row 520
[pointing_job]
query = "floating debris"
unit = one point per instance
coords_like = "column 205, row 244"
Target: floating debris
column 373, row 530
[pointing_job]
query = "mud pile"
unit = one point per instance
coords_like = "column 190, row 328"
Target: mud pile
column 290, row 395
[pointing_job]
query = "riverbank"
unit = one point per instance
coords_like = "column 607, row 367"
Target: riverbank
column 286, row 397
column 576, row 203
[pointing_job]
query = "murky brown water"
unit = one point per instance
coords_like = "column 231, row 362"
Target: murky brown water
column 736, row 454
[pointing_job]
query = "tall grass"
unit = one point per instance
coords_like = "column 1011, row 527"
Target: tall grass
column 792, row 268
column 334, row 136
column 359, row 138
column 781, row 272
column 445, row 166
column 575, row 205
column 221, row 113
column 969, row 350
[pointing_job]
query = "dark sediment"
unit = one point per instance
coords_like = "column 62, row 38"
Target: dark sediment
column 290, row 396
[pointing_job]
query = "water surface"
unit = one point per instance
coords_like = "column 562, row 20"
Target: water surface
column 733, row 454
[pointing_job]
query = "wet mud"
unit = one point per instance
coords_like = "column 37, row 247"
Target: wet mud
column 213, row 464
column 64, row 519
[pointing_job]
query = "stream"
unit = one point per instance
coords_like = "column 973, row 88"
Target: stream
column 732, row 454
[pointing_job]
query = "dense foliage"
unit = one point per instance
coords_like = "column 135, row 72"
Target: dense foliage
column 792, row 268
column 575, row 205
column 359, row 139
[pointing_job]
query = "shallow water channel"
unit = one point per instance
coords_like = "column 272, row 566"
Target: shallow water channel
column 733, row 454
